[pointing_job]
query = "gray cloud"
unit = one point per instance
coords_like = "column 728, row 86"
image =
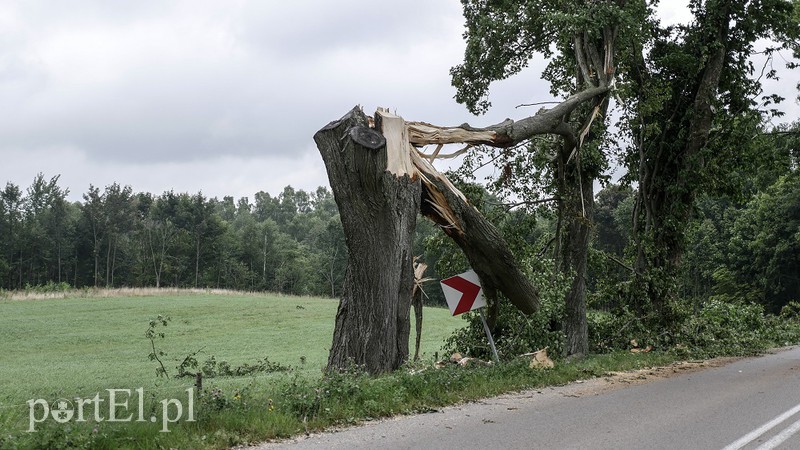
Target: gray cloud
column 188, row 82
column 309, row 28
column 219, row 96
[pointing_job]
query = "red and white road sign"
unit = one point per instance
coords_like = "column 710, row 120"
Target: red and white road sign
column 463, row 292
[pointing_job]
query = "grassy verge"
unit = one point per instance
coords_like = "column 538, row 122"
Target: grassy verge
column 257, row 410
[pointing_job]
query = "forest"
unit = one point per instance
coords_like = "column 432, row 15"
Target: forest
column 290, row 243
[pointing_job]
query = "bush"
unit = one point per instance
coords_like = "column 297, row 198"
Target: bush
column 48, row 287
column 720, row 328
column 791, row 311
column 613, row 331
column 514, row 333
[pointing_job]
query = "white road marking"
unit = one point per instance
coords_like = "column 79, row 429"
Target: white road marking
column 779, row 438
column 751, row 436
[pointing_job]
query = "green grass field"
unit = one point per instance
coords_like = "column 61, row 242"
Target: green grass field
column 76, row 347
column 65, row 348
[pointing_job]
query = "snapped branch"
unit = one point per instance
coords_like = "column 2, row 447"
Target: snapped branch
column 507, row 133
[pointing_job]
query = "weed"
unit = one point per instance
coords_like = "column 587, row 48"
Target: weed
column 152, row 334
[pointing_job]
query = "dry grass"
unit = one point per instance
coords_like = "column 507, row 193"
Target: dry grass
column 34, row 294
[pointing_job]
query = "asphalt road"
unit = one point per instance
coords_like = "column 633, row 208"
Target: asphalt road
column 750, row 403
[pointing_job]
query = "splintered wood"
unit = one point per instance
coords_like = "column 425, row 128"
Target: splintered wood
column 404, row 159
column 422, row 133
column 398, row 149
column 483, row 245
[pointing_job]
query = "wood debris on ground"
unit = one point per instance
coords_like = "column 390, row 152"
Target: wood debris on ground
column 539, row 359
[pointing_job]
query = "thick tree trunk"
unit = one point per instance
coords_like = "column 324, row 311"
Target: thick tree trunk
column 378, row 200
column 578, row 205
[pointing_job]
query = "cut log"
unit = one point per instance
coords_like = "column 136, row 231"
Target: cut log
column 378, row 210
column 539, row 359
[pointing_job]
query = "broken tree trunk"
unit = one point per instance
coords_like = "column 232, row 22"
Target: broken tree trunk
column 380, row 183
column 486, row 250
column 378, row 202
column 481, row 242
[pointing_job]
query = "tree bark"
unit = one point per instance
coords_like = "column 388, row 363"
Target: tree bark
column 578, row 205
column 378, row 209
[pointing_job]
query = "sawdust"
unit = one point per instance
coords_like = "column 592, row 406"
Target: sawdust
column 617, row 380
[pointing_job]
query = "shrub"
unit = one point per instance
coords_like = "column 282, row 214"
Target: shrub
column 791, row 311
column 720, row 328
column 514, row 333
column 613, row 331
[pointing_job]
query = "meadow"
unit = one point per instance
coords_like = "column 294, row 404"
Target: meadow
column 79, row 346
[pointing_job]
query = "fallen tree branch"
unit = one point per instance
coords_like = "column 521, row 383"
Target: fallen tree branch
column 484, row 247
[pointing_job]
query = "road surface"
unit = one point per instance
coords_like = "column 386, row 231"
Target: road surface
column 751, row 403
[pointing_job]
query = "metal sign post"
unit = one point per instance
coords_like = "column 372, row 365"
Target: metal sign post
column 489, row 335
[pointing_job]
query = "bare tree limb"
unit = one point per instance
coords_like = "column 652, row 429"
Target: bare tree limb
column 436, row 154
column 510, row 206
column 522, row 105
column 508, row 132
column 616, row 260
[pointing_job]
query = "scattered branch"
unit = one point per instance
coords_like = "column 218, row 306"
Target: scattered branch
column 619, row 262
column 510, row 206
column 523, row 105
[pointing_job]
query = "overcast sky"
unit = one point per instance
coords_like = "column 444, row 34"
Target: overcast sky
column 224, row 97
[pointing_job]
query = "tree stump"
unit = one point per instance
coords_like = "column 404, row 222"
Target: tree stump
column 378, row 201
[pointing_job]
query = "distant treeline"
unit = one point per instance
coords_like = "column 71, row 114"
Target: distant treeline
column 291, row 243
column 739, row 249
